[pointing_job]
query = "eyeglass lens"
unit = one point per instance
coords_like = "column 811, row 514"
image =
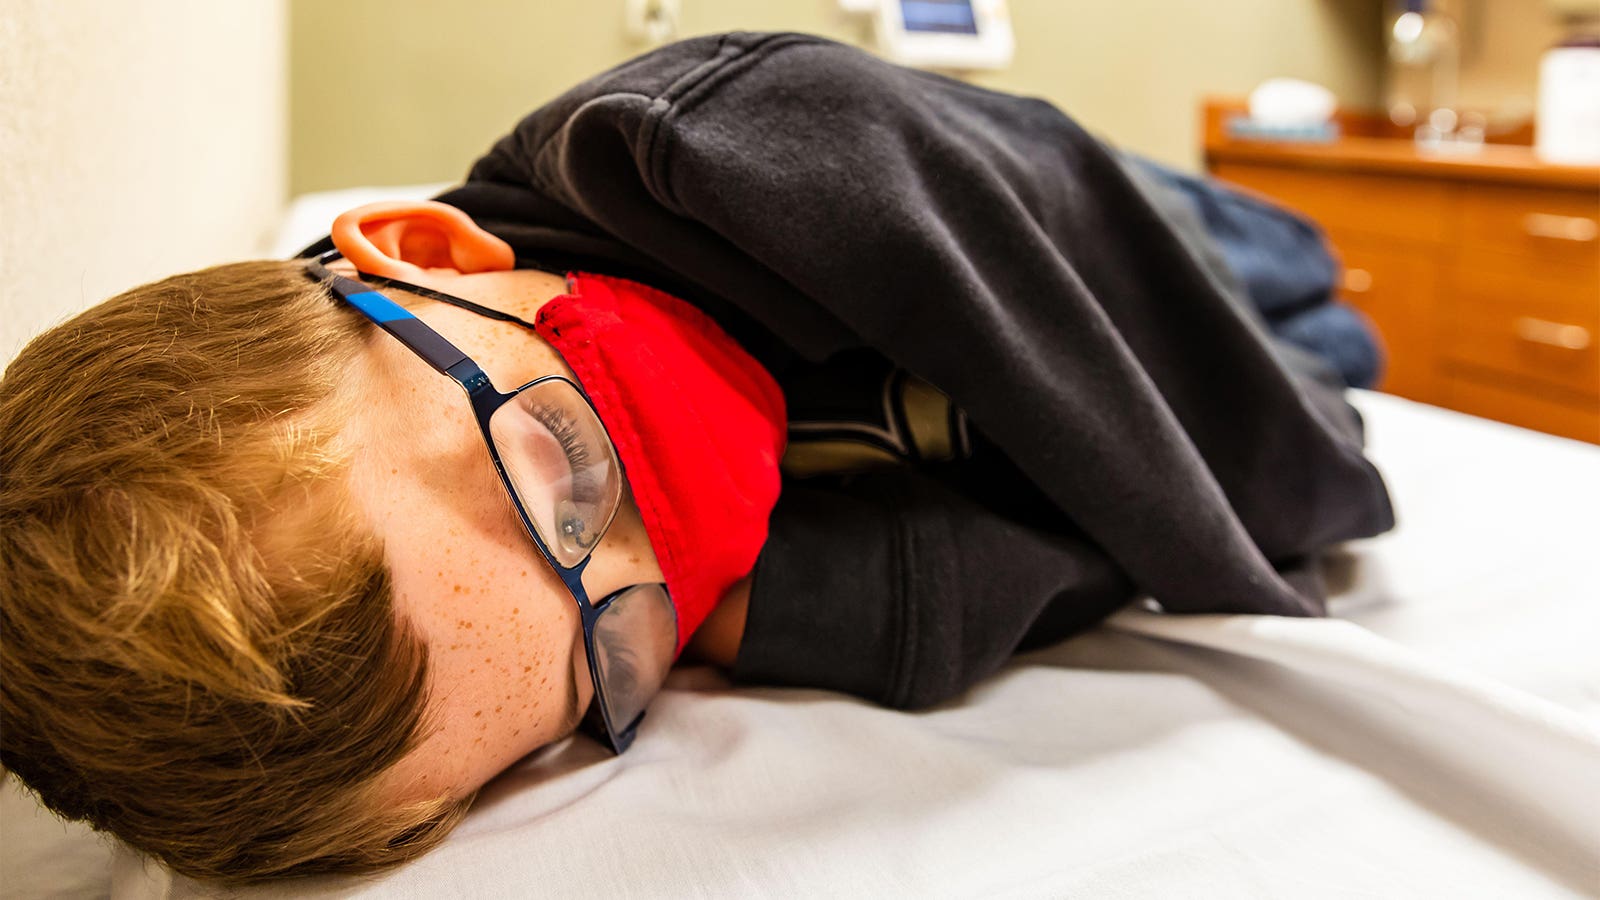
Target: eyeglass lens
column 634, row 640
column 564, row 470
column 561, row 465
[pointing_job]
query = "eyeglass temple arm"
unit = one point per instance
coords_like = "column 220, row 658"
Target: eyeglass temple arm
column 441, row 296
column 435, row 350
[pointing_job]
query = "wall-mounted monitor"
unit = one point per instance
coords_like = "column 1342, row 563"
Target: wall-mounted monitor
column 947, row 34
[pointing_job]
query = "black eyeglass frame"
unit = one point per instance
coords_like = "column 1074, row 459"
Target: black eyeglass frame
column 450, row 361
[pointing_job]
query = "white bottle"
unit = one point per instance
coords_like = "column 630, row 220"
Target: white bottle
column 1567, row 129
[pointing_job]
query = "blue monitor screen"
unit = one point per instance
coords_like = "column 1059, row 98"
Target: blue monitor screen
column 945, row 16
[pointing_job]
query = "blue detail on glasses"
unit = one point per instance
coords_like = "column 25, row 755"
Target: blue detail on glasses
column 378, row 308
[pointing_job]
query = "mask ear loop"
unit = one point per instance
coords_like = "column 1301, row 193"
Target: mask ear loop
column 442, row 297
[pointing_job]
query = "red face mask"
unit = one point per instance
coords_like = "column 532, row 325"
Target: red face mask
column 698, row 423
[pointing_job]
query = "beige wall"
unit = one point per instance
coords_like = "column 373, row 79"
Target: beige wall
column 1134, row 71
column 137, row 140
column 1502, row 43
column 386, row 93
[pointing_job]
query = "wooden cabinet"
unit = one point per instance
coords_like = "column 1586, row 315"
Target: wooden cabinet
column 1480, row 273
column 1394, row 287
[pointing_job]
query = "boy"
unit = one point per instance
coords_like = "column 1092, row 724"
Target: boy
column 277, row 598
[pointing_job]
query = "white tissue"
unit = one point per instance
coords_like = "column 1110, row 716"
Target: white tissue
column 1290, row 102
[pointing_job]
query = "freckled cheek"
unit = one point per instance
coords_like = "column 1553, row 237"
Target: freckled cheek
column 522, row 622
column 515, row 679
column 500, row 628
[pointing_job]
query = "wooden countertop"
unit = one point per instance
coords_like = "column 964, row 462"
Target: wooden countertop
column 1360, row 152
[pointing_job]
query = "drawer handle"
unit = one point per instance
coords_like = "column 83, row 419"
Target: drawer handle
column 1357, row 281
column 1561, row 228
column 1553, row 334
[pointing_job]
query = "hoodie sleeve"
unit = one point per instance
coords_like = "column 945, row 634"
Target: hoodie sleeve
column 989, row 245
column 900, row 588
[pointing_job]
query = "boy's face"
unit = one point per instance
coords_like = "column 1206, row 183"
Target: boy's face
column 508, row 670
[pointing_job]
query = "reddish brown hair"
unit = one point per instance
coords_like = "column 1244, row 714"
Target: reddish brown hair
column 200, row 651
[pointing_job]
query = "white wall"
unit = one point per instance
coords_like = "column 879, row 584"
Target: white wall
column 137, row 139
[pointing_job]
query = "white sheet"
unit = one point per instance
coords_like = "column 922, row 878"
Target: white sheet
column 1441, row 739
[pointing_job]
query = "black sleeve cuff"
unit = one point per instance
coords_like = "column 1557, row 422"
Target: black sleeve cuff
column 825, row 596
column 893, row 587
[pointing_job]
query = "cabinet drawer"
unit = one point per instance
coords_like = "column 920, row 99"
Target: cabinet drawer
column 1357, row 204
column 1396, row 290
column 1555, row 415
column 1536, row 224
column 1540, row 327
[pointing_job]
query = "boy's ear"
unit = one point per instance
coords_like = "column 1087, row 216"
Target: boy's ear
column 401, row 238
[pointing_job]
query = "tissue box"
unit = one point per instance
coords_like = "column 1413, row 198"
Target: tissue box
column 1246, row 128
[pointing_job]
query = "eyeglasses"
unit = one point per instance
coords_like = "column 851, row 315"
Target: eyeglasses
column 565, row 480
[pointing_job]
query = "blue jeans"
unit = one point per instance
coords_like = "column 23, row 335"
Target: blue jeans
column 1283, row 262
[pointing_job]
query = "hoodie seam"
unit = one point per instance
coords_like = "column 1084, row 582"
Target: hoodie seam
column 729, row 61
